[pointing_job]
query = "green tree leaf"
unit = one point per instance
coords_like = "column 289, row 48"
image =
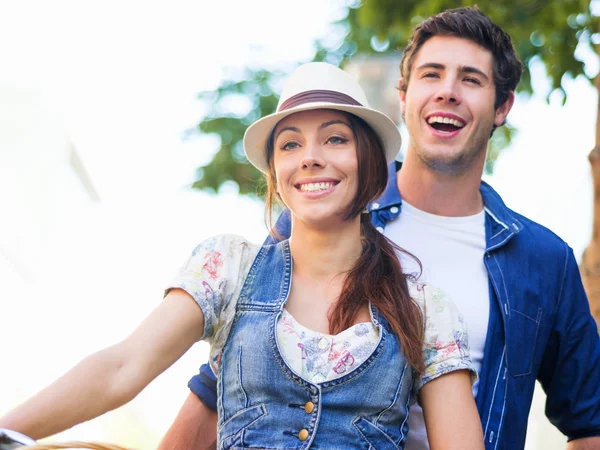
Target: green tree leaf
column 547, row 31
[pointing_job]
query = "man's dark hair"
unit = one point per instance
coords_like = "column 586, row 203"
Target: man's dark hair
column 469, row 23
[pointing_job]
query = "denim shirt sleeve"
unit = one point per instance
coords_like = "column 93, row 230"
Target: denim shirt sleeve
column 204, row 385
column 570, row 368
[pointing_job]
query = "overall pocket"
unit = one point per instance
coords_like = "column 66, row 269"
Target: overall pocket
column 233, row 427
column 373, row 435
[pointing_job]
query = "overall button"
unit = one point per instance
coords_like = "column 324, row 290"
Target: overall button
column 309, row 407
column 323, row 343
column 303, row 435
column 318, row 378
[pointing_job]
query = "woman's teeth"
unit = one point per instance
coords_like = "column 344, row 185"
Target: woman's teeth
column 311, row 187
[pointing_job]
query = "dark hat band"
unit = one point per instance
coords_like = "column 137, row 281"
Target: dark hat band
column 318, row 96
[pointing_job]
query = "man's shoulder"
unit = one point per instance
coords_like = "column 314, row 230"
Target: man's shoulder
column 541, row 233
column 530, row 236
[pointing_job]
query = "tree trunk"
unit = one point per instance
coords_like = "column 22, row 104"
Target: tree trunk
column 590, row 262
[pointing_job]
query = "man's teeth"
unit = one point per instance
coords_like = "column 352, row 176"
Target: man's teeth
column 440, row 119
column 310, row 187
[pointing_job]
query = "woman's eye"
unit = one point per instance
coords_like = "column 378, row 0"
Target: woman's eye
column 291, row 145
column 337, row 140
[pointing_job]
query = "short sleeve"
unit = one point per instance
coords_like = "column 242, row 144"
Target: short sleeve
column 446, row 345
column 213, row 275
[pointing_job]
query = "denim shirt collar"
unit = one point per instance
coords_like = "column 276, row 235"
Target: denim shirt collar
column 391, row 196
column 501, row 223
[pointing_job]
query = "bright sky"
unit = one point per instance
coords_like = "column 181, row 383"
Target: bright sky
column 120, row 78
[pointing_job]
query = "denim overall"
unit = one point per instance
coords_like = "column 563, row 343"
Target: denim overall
column 263, row 404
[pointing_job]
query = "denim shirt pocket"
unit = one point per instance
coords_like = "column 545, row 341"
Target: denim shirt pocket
column 521, row 337
column 373, row 435
column 233, row 427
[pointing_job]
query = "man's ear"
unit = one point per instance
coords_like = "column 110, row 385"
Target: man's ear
column 503, row 110
column 402, row 95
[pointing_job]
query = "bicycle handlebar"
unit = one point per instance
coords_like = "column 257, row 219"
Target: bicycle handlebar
column 10, row 439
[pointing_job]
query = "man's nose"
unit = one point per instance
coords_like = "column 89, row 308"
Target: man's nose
column 449, row 92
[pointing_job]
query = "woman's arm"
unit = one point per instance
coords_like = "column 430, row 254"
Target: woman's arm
column 451, row 417
column 113, row 376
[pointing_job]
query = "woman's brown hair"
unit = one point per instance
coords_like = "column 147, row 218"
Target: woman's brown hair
column 377, row 275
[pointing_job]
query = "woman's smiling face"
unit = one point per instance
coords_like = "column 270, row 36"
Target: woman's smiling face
column 316, row 165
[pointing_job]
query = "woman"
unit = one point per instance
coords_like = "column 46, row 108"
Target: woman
column 319, row 340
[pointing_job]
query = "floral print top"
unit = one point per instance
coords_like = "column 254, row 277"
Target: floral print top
column 319, row 357
column 215, row 273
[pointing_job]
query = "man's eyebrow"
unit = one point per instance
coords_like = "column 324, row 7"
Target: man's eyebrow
column 431, row 65
column 462, row 69
column 475, row 70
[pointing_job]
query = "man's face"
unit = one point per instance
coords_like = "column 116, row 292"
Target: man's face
column 448, row 106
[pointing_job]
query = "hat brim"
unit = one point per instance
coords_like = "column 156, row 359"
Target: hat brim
column 257, row 134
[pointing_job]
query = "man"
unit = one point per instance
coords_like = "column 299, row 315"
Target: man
column 516, row 283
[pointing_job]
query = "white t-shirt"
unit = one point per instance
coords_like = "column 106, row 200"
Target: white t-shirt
column 451, row 250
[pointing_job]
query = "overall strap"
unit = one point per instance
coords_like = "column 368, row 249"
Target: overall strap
column 267, row 284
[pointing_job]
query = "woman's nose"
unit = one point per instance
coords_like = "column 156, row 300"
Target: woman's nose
column 312, row 157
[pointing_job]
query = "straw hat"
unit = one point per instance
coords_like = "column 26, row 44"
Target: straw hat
column 313, row 86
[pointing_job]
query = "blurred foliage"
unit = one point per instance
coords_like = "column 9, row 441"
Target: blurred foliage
column 230, row 163
column 547, row 31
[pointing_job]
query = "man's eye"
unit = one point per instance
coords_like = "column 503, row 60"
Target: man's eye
column 430, row 75
column 472, row 80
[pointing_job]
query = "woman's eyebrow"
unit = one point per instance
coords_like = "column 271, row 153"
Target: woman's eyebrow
column 290, row 128
column 333, row 122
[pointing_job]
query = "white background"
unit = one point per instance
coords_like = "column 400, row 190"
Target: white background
column 117, row 82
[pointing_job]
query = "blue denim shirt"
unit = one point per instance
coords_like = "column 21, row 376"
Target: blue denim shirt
column 540, row 326
column 262, row 403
